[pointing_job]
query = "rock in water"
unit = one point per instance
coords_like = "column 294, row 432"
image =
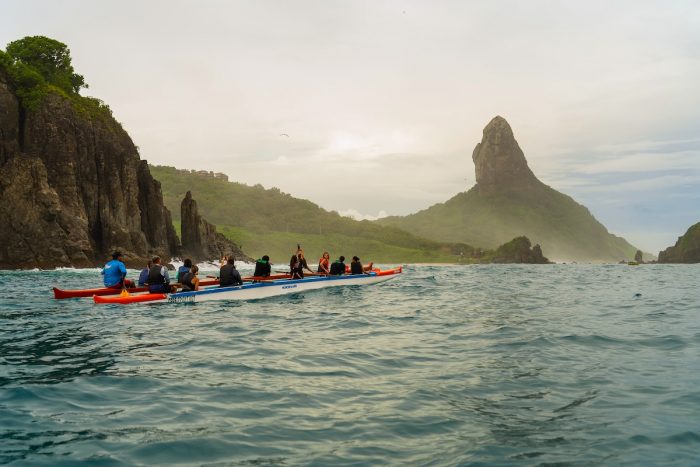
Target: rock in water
column 200, row 240
column 519, row 250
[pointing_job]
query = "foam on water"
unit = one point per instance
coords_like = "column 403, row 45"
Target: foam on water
column 447, row 365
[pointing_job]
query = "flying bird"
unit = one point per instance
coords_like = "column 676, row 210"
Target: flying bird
column 284, row 134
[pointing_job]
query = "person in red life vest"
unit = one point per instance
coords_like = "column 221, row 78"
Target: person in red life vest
column 324, row 264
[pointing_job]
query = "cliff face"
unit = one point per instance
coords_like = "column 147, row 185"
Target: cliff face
column 200, row 240
column 509, row 201
column 686, row 249
column 73, row 188
column 499, row 163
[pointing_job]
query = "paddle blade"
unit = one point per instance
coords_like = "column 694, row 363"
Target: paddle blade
column 124, row 293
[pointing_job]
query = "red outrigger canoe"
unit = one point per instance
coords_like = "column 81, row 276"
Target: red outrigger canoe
column 60, row 294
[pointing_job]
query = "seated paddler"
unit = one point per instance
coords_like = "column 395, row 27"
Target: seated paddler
column 158, row 278
column 114, row 272
column 263, row 267
column 228, row 274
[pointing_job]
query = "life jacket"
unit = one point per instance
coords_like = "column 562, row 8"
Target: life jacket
column 356, row 268
column 262, row 268
column 321, row 263
column 155, row 275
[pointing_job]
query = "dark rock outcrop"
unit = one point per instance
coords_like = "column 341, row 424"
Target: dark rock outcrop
column 200, row 240
column 519, row 250
column 74, row 188
column 686, row 249
column 499, row 162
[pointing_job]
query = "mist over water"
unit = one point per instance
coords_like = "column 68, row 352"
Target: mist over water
column 446, row 365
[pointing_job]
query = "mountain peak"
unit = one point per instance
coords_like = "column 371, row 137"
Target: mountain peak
column 498, row 160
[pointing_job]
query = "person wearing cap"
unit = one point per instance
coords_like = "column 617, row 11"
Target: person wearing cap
column 114, row 272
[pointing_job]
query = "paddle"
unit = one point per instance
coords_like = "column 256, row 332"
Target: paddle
column 124, row 292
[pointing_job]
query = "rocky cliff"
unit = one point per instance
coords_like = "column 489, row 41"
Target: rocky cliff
column 518, row 250
column 686, row 249
column 73, row 187
column 200, row 240
column 509, row 201
column 499, row 163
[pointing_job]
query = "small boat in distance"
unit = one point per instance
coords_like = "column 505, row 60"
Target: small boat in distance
column 256, row 290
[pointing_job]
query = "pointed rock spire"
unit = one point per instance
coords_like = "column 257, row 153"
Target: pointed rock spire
column 498, row 160
column 200, row 240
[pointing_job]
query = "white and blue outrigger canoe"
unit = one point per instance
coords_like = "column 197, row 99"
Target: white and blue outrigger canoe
column 256, row 290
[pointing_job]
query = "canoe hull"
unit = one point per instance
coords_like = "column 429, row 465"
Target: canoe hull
column 257, row 290
column 61, row 294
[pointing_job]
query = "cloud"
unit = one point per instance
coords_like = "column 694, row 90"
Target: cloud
column 357, row 215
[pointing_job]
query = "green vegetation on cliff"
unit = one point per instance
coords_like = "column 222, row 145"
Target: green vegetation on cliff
column 509, row 201
column 565, row 229
column 38, row 66
column 267, row 221
column 686, row 249
column 73, row 186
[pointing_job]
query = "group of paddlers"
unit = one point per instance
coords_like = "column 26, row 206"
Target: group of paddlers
column 298, row 263
column 156, row 276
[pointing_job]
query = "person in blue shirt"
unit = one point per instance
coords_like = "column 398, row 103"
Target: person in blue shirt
column 114, row 272
column 143, row 277
column 184, row 269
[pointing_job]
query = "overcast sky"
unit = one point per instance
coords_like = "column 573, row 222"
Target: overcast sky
column 384, row 101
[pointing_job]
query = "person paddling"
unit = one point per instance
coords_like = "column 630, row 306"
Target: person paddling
column 324, row 263
column 190, row 281
column 228, row 275
column 143, row 277
column 338, row 267
column 356, row 266
column 263, row 267
column 114, row 273
column 184, row 269
column 297, row 265
column 158, row 277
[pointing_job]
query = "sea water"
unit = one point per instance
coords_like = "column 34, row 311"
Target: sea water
column 445, row 365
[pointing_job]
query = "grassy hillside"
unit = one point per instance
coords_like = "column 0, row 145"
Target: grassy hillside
column 565, row 229
column 686, row 249
column 267, row 221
